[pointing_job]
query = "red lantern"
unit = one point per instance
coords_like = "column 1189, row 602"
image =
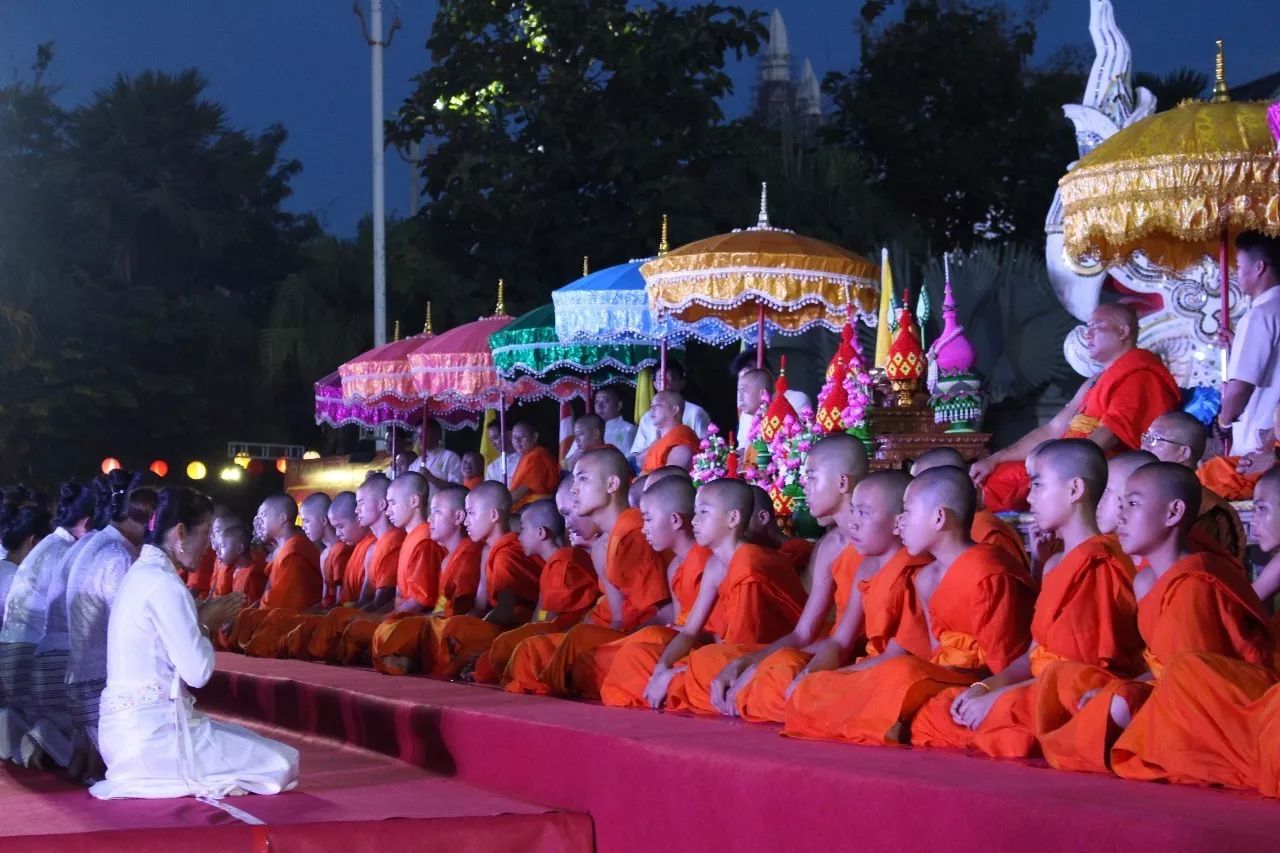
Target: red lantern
column 110, row 464
column 255, row 467
column 160, row 468
column 282, row 465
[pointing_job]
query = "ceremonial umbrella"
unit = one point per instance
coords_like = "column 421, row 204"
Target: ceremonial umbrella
column 763, row 278
column 333, row 410
column 1176, row 187
column 381, row 376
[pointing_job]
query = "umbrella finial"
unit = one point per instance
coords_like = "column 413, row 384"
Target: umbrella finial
column 396, row 334
column 586, row 268
column 663, row 245
column 426, row 327
column 502, row 302
column 1220, row 93
column 763, row 221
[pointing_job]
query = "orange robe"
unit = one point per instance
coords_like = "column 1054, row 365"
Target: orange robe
column 680, row 436
column 326, row 637
column 978, row 622
column 1086, row 612
column 334, row 564
column 543, row 664
column 539, row 471
column 1219, row 475
column 222, row 575
column 758, row 601
column 406, row 637
column 293, row 584
column 1132, row 392
column 1202, row 604
column 455, row 641
column 417, row 578
column 201, row 580
column 472, row 482
column 250, row 579
column 567, row 588
column 1204, row 719
column 297, row 642
column 756, row 701
column 798, row 551
column 1219, row 529
column 990, row 529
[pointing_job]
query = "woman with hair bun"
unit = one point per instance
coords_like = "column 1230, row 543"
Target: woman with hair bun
column 92, row 585
column 21, row 527
column 33, row 684
column 155, row 744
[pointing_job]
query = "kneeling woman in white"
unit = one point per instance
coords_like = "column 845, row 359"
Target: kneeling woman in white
column 154, row 743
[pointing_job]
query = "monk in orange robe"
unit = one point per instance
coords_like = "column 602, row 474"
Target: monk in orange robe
column 764, row 531
column 537, row 473
column 417, row 566
column 748, row 594
column 200, row 579
column 397, row 645
column 1236, row 477
column 314, row 511
column 246, row 572
column 1086, row 613
column 631, row 573
column 1210, row 648
column 963, row 616
column 1112, row 409
column 566, row 589
column 377, row 594
column 293, row 580
column 472, row 469
column 721, row 677
column 676, row 443
column 1187, row 602
column 988, row 528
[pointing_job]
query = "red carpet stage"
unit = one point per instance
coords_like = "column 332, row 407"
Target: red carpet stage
column 654, row 781
column 350, row 799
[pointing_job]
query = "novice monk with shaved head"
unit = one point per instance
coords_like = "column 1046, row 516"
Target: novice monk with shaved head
column 537, row 473
column 314, row 511
column 398, row 644
column 763, row 530
column 417, row 566
column 629, row 571
column 1187, row 602
column 294, row 583
column 676, row 443
column 988, row 528
column 1119, row 468
column 748, row 594
column 1085, row 614
column 966, row 615
column 508, row 591
column 720, row 674
column 566, row 589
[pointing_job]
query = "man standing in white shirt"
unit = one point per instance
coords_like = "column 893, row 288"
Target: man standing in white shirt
column 1252, row 391
column 440, row 467
column 493, row 471
column 694, row 416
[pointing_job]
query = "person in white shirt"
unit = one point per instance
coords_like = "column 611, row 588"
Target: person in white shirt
column 21, row 528
column 618, row 431
column 695, row 417
column 501, row 441
column 155, row 744
column 1252, row 391
column 440, row 467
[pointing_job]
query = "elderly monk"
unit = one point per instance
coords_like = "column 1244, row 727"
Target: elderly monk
column 676, row 443
column 721, row 677
column 566, row 589
column 417, row 565
column 630, row 573
column 1086, row 612
column 747, row 594
column 314, row 511
column 961, row 617
column 294, row 583
column 537, row 473
column 507, row 593
column 1179, row 438
column 988, row 528
column 1112, row 409
column 1187, row 602
column 398, row 644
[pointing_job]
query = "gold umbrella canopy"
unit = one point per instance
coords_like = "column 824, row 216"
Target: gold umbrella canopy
column 1176, row 186
column 798, row 281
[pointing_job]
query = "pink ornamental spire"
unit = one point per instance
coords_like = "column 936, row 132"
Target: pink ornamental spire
column 953, row 352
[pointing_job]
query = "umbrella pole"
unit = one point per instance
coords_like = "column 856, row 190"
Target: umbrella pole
column 588, row 392
column 1224, row 270
column 760, row 336
column 502, row 432
column 662, row 363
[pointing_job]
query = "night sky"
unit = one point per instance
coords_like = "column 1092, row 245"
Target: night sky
column 302, row 63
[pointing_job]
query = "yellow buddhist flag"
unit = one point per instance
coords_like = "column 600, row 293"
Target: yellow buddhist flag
column 644, row 393
column 886, row 296
column 487, row 450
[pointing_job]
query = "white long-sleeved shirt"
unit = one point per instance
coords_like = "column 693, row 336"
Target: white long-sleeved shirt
column 27, row 609
column 96, row 577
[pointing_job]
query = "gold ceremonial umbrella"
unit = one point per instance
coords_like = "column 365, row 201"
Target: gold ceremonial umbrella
column 760, row 276
column 1176, row 186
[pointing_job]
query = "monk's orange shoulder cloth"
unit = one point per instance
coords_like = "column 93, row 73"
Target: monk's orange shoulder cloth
column 760, row 598
column 335, row 566
column 418, row 569
column 844, row 573
column 680, row 436
column 354, row 571
column 1132, row 392
column 568, row 586
column 538, row 471
column 510, row 569
column 981, row 611
column 687, row 580
column 889, row 606
column 460, row 578
column 386, row 557
column 635, row 569
column 294, row 580
column 990, row 529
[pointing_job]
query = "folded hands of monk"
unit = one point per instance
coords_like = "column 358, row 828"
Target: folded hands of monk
column 655, row 693
column 971, row 707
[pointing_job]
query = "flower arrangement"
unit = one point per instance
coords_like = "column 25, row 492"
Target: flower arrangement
column 857, row 389
column 711, row 462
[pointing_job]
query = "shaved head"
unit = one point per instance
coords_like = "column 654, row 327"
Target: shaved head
column 317, row 502
column 608, row 462
column 1171, row 482
column 1072, row 458
column 937, row 458
column 758, row 377
column 672, row 494
column 845, row 453
column 761, row 502
column 343, row 506
column 411, row 483
column 454, row 498
column 663, row 473
column 1268, row 482
column 593, row 423
column 282, row 504
column 670, row 398
column 729, row 496
column 950, row 488
column 889, row 488
column 543, row 513
column 237, row 533
column 1183, row 429
column 1121, row 314
column 493, row 495
column 1122, row 465
column 375, row 487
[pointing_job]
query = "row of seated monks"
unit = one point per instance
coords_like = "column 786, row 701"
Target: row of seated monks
column 1130, row 641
